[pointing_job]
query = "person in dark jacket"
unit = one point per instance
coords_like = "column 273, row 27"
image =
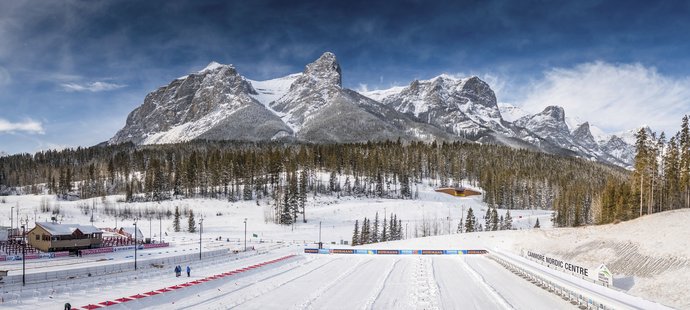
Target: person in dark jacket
column 189, row 270
column 177, row 270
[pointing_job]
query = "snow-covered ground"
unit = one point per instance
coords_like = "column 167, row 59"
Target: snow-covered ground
column 649, row 257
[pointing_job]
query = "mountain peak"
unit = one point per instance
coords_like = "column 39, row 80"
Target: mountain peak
column 556, row 113
column 213, row 66
column 325, row 69
column 584, row 136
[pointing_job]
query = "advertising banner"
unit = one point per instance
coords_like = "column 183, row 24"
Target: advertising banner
column 61, row 254
column 343, row 251
column 156, row 245
column 96, row 251
column 388, row 252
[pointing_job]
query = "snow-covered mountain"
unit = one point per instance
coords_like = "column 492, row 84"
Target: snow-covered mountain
column 464, row 107
column 319, row 109
column 551, row 124
column 574, row 134
column 3, row 154
column 217, row 103
column 214, row 103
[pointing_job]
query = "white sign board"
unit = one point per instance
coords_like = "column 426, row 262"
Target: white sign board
column 604, row 275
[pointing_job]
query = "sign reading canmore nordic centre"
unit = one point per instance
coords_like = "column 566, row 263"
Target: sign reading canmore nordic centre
column 559, row 263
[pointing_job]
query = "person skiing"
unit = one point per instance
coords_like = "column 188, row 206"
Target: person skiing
column 189, row 270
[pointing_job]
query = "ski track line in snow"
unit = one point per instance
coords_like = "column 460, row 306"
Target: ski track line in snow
column 486, row 286
column 291, row 267
column 381, row 286
column 332, row 283
column 426, row 289
column 286, row 282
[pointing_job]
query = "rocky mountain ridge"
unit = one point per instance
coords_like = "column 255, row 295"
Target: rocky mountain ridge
column 217, row 103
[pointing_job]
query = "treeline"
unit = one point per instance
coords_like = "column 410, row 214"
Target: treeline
column 390, row 230
column 492, row 221
column 660, row 181
column 288, row 174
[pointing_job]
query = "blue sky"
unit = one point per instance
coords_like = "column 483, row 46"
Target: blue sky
column 71, row 71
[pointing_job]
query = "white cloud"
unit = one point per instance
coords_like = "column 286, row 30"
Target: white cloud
column 90, row 87
column 29, row 126
column 614, row 97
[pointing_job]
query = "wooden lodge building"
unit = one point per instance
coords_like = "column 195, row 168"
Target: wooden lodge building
column 458, row 191
column 50, row 237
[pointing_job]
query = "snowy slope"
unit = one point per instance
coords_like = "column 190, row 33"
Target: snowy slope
column 271, row 90
column 379, row 95
column 510, row 112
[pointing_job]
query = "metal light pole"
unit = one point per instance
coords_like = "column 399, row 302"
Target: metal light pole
column 201, row 228
column 320, row 245
column 12, row 220
column 160, row 228
column 135, row 244
column 245, row 234
column 23, row 256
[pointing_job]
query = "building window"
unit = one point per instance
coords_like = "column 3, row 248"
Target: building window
column 38, row 237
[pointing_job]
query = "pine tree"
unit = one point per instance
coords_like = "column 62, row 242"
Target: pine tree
column 379, row 185
column 303, row 194
column 365, row 237
column 176, row 219
column 285, row 211
column 494, row 220
column 642, row 166
column 293, row 196
column 536, row 225
column 684, row 145
column 375, row 229
column 332, row 182
column 501, row 224
column 460, row 227
column 355, row 234
column 487, row 218
column 508, row 221
column 470, row 222
column 399, row 229
column 384, row 230
column 247, row 189
column 191, row 223
column 394, row 228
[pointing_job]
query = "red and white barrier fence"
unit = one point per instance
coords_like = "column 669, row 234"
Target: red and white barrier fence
column 180, row 286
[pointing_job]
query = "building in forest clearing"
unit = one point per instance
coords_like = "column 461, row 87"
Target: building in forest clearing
column 458, row 191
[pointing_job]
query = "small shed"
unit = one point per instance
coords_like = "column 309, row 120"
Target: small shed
column 129, row 232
